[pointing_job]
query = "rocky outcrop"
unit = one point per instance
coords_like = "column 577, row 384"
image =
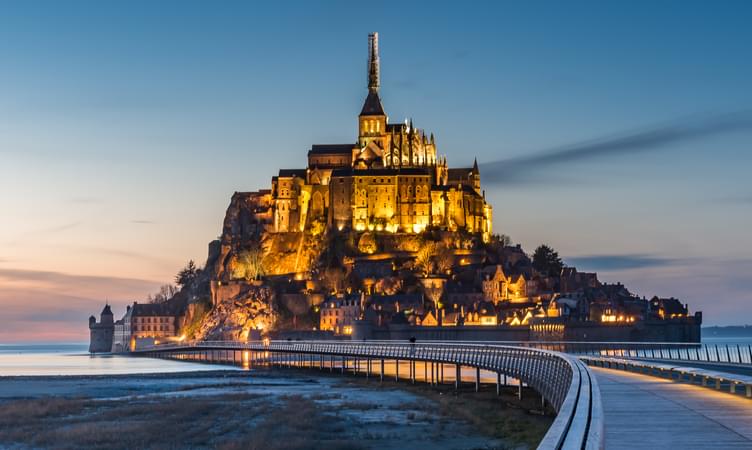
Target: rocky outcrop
column 234, row 316
column 246, row 220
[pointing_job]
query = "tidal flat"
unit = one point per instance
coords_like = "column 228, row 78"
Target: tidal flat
column 259, row 409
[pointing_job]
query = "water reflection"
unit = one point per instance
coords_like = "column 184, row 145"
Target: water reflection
column 74, row 359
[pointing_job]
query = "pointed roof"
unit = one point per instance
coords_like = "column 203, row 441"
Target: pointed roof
column 372, row 105
column 475, row 166
column 107, row 311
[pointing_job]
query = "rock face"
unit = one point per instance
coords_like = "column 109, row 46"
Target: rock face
column 233, row 317
column 245, row 222
column 237, row 306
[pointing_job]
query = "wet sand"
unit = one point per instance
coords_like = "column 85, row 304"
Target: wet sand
column 270, row 409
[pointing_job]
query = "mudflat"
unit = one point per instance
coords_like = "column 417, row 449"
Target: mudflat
column 258, row 409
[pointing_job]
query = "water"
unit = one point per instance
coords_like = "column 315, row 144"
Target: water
column 74, row 359
column 727, row 340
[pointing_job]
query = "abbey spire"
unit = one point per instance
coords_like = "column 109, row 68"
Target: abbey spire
column 373, row 62
column 372, row 105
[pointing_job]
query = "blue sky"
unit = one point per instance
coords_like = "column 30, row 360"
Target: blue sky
column 125, row 128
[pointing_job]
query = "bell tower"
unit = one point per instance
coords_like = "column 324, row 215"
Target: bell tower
column 372, row 119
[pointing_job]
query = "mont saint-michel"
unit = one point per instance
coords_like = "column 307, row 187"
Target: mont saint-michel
column 382, row 238
column 497, row 225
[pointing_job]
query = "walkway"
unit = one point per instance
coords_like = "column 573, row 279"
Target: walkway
column 647, row 412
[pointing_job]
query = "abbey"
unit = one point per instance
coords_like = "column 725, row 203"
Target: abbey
column 391, row 179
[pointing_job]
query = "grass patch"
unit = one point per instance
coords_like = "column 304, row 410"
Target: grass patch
column 296, row 424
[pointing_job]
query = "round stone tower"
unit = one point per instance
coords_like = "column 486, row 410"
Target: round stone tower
column 101, row 334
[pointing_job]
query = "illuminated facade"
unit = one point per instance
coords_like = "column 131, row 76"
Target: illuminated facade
column 339, row 314
column 391, row 179
column 498, row 287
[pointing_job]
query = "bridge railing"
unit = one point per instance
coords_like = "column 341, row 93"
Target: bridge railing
column 712, row 353
column 564, row 381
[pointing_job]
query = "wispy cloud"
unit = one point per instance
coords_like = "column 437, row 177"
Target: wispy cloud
column 39, row 305
column 622, row 262
column 516, row 170
column 65, row 282
column 143, row 222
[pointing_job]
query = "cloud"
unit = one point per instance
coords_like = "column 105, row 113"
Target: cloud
column 89, row 286
column 143, row 222
column 516, row 170
column 622, row 262
column 718, row 287
column 46, row 305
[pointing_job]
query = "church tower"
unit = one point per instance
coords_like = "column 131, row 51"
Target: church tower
column 372, row 119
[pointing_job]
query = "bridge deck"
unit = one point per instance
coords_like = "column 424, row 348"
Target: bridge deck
column 647, row 412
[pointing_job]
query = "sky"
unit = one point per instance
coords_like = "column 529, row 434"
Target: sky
column 617, row 132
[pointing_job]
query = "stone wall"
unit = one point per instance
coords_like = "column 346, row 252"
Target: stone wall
column 684, row 330
column 100, row 338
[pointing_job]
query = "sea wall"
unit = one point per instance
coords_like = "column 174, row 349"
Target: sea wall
column 675, row 330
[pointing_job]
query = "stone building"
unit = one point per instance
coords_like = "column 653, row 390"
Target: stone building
column 339, row 314
column 390, row 179
column 151, row 320
column 141, row 321
column 500, row 287
column 100, row 333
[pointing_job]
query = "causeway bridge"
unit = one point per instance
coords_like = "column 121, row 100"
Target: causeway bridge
column 607, row 395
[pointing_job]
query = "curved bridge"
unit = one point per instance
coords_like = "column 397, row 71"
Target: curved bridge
column 562, row 380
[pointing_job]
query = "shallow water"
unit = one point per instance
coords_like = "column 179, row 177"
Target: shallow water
column 74, row 359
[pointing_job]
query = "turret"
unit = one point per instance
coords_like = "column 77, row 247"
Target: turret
column 101, row 334
column 476, row 176
column 106, row 317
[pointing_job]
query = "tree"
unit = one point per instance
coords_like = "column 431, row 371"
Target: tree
column 504, row 240
column 444, row 259
column 297, row 305
column 166, row 292
column 187, row 274
column 251, row 262
column 367, row 243
column 334, row 279
column 546, row 260
column 424, row 257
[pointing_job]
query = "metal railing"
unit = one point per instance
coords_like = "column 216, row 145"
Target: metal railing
column 671, row 351
column 564, row 381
